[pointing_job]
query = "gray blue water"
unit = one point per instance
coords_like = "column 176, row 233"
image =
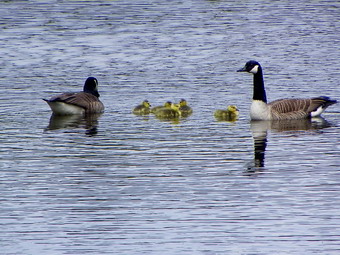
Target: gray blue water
column 124, row 184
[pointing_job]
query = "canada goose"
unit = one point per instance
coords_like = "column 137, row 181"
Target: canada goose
column 283, row 108
column 85, row 102
column 230, row 114
column 169, row 113
column 143, row 108
column 156, row 108
column 184, row 108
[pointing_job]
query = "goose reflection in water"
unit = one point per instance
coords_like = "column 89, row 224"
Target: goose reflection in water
column 260, row 130
column 88, row 122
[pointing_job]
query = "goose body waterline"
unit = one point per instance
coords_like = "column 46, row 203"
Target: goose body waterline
column 282, row 109
column 84, row 102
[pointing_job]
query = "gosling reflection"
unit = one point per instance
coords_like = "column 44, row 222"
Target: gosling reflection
column 88, row 122
column 260, row 130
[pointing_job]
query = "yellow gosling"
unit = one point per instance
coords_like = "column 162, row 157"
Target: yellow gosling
column 143, row 108
column 184, row 108
column 156, row 108
column 231, row 114
column 169, row 113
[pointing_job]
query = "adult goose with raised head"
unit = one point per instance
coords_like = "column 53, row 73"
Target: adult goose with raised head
column 282, row 109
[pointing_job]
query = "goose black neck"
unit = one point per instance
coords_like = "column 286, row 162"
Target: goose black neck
column 93, row 92
column 259, row 91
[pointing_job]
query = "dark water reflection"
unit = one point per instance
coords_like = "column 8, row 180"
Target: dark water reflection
column 87, row 122
column 260, row 131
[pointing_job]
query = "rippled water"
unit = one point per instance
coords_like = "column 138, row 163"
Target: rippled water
column 124, row 184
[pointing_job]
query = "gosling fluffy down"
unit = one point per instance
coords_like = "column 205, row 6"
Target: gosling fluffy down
column 230, row 114
column 184, row 108
column 142, row 109
column 169, row 113
column 165, row 105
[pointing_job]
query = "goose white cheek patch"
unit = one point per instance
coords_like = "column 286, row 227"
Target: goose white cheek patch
column 254, row 69
column 317, row 112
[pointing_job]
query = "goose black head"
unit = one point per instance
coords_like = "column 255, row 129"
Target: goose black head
column 91, row 86
column 251, row 66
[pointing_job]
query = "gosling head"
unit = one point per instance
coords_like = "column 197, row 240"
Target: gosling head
column 232, row 109
column 251, row 66
column 167, row 104
column 146, row 104
column 183, row 102
column 175, row 107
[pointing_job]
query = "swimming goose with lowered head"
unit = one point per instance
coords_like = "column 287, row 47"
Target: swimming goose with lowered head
column 282, row 109
column 84, row 102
